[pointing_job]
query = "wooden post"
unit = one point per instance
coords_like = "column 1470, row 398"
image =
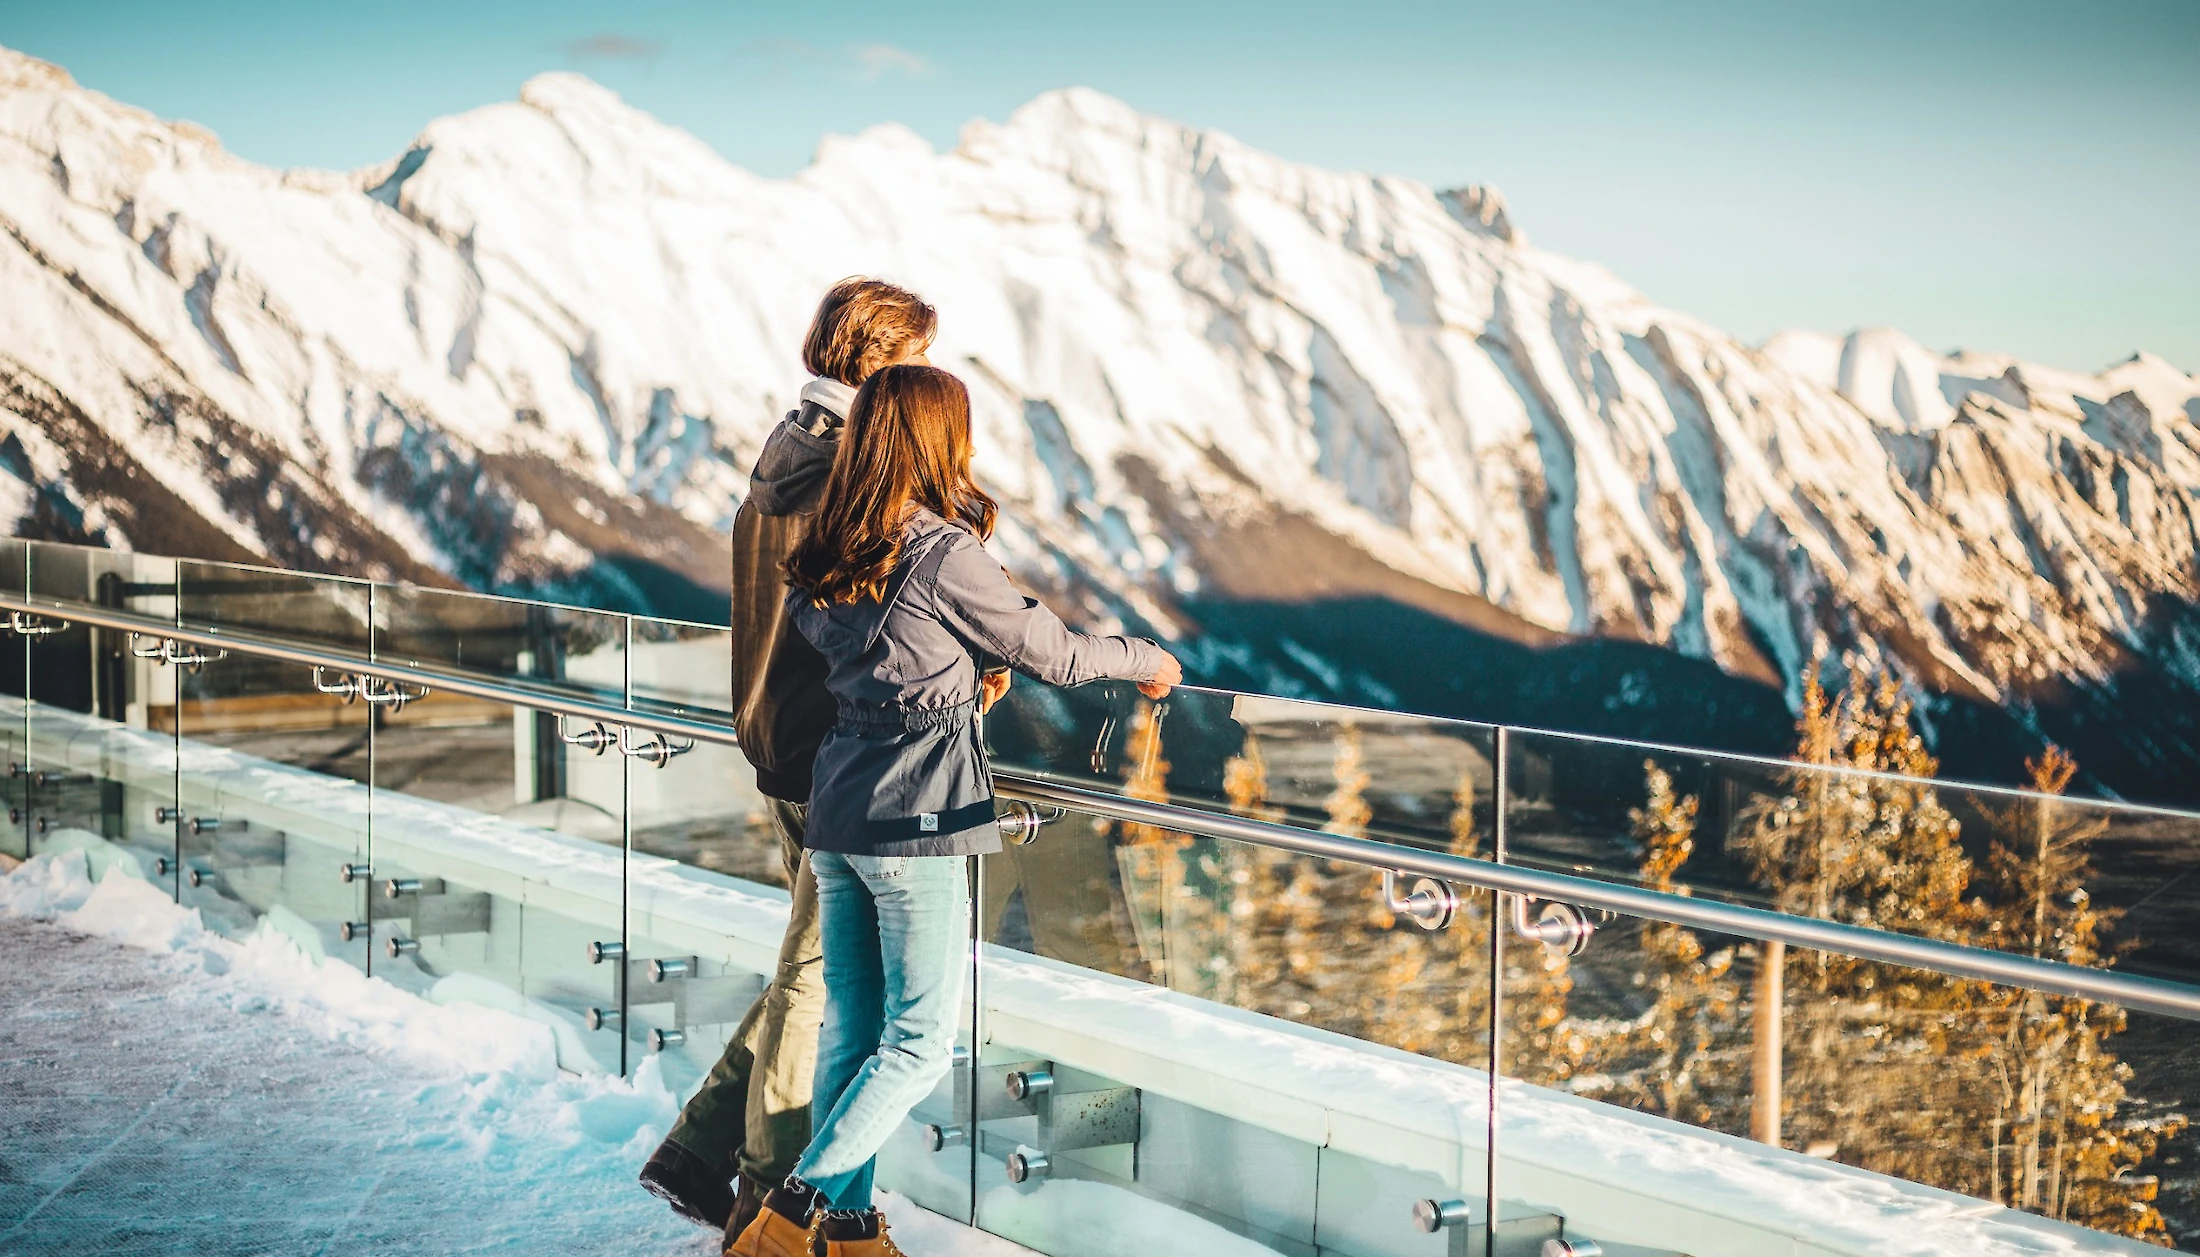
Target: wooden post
column 1764, row 1103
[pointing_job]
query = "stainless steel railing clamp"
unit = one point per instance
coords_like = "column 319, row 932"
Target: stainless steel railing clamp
column 595, row 738
column 607, row 950
column 1562, row 928
column 349, row 873
column 657, row 749
column 1069, row 1121
column 24, row 624
column 391, row 694
column 1526, row 1235
column 433, row 909
column 353, row 931
column 168, row 651
column 183, row 655
column 603, row 1018
column 1434, row 1216
column 659, row 1040
column 398, row 947
column 672, row 968
column 1431, row 904
column 345, row 686
column 1020, row 822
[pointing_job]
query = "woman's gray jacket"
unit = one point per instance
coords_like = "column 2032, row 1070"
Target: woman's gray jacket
column 902, row 772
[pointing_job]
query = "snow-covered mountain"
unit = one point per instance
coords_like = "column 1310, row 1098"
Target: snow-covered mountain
column 1346, row 434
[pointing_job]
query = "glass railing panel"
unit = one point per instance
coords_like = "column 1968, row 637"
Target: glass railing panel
column 532, row 645
column 498, row 876
column 694, row 800
column 1910, row 855
column 272, row 818
column 1228, row 1032
column 78, row 782
column 14, row 706
column 695, row 803
column 683, row 670
column 64, row 577
column 1706, row 1094
column 320, row 611
column 1411, row 775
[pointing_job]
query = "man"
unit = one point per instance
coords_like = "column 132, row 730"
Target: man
column 741, row 1134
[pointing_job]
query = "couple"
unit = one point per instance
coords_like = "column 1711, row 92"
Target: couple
column 870, row 630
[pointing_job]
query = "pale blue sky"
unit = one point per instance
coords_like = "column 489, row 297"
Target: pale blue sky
column 2012, row 176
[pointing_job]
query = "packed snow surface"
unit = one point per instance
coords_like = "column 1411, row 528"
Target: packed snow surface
column 164, row 1089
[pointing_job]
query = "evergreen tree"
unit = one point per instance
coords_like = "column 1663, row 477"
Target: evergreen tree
column 1876, row 1059
column 1682, row 1057
column 2059, row 1147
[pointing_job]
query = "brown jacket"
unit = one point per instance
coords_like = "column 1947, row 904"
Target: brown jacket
column 782, row 710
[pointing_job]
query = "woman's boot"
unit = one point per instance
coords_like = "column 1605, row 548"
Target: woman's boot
column 785, row 1227
column 856, row 1235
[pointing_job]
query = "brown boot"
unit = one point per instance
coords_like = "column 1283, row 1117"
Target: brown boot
column 776, row 1232
column 863, row 1235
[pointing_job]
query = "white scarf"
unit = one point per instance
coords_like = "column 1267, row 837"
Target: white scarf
column 831, row 395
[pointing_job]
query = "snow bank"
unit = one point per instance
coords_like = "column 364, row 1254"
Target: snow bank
column 490, row 1093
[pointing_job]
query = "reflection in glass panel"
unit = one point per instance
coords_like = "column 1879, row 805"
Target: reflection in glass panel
column 691, row 800
column 1410, row 773
column 289, row 606
column 2052, row 1106
column 1276, row 1127
column 64, row 576
column 1961, row 863
column 562, row 650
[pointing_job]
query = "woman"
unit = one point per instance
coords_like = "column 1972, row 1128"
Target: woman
column 892, row 586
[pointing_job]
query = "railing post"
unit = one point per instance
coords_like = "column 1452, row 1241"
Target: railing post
column 1765, row 1064
column 1500, row 795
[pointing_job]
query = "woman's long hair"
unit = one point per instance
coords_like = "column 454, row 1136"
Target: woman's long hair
column 906, row 444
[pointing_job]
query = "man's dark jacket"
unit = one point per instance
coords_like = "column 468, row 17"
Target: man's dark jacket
column 781, row 707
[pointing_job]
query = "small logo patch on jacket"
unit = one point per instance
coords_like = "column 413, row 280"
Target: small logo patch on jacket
column 928, row 822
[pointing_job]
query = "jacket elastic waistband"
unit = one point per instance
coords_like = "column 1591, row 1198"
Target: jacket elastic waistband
column 902, row 719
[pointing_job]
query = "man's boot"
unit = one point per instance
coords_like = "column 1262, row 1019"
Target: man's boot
column 856, row 1235
column 688, row 1183
column 786, row 1226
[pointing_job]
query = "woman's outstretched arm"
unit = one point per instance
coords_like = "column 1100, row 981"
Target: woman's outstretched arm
column 976, row 600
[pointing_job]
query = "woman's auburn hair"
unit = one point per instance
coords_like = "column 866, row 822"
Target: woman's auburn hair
column 863, row 324
column 906, row 444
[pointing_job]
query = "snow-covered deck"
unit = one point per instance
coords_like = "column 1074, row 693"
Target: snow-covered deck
column 1293, row 1131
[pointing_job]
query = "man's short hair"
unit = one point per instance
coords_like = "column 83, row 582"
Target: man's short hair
column 863, row 324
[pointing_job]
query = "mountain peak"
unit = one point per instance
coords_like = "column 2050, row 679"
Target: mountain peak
column 1080, row 108
column 22, row 70
column 567, row 96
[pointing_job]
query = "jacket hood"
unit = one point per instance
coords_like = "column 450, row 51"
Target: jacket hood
column 790, row 472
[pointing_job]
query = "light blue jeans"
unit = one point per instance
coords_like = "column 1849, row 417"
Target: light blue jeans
column 896, row 935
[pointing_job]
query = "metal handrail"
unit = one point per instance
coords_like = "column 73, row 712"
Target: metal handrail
column 2154, row 995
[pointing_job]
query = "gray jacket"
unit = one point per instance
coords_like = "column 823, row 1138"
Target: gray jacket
column 902, row 772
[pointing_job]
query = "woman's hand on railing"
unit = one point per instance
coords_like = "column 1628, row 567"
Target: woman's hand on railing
column 992, row 688
column 1171, row 675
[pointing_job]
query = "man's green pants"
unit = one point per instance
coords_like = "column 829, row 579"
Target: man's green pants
column 753, row 1113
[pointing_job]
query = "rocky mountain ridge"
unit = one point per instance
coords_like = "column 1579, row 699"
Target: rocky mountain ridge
column 1289, row 416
